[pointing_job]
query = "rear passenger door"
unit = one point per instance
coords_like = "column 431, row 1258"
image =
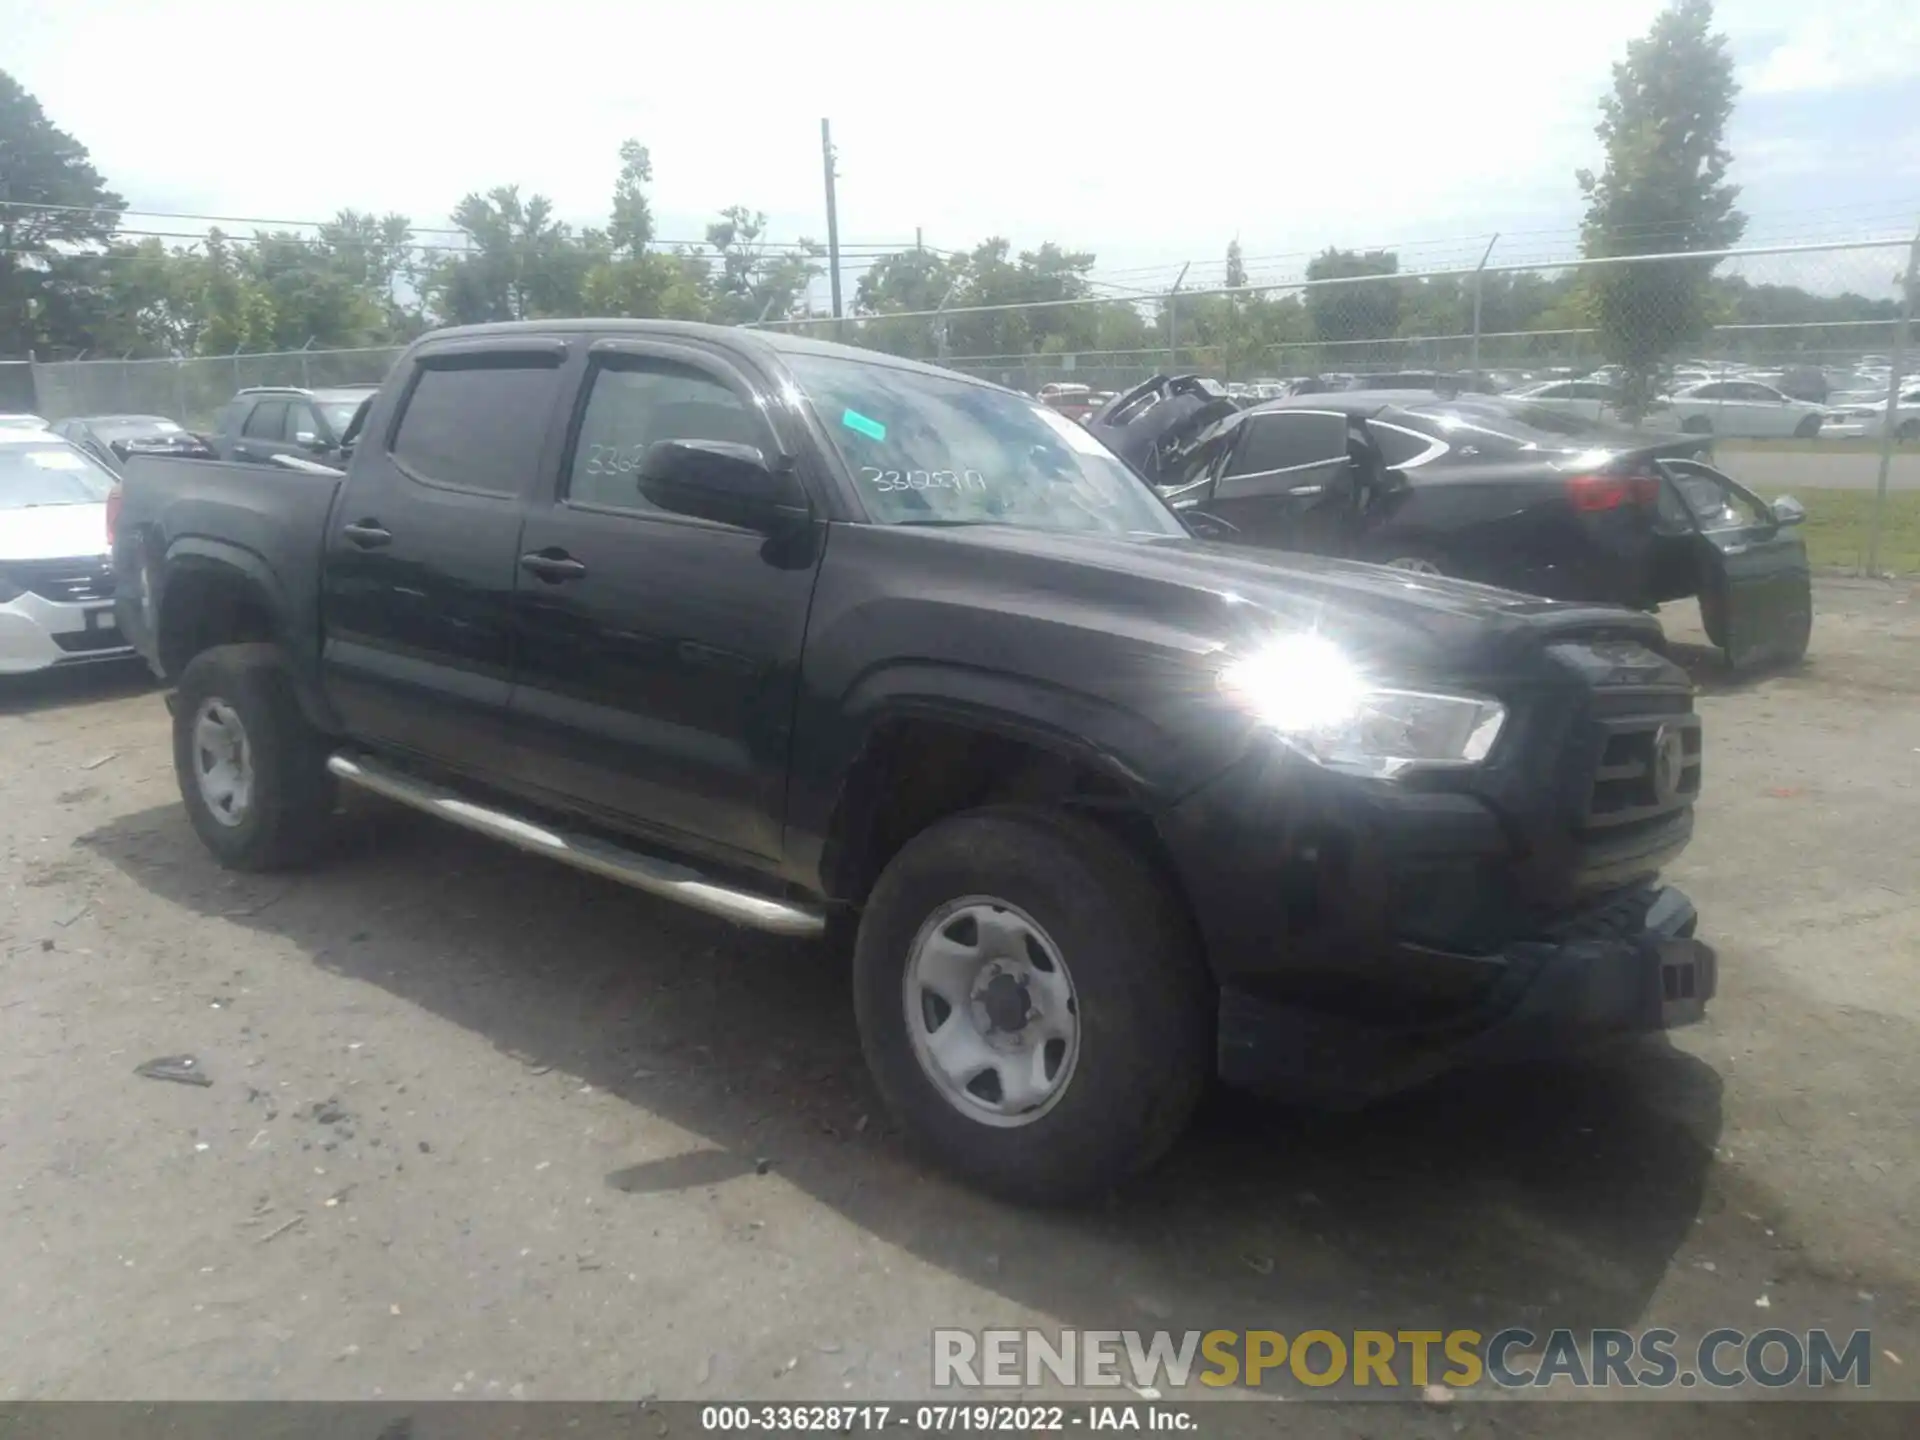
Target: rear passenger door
column 659, row 654
column 421, row 561
column 1289, row 481
column 1749, row 570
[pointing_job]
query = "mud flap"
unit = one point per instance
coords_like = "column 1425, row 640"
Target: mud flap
column 1753, row 580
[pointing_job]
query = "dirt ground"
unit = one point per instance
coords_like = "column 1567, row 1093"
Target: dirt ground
column 482, row 1127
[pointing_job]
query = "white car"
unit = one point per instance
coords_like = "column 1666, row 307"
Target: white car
column 1583, row 399
column 1744, row 408
column 18, row 421
column 1866, row 419
column 56, row 570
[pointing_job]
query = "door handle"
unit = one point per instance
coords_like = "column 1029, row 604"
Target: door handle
column 367, row 534
column 552, row 568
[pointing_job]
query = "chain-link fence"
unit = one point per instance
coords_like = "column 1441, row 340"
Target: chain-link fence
column 193, row 390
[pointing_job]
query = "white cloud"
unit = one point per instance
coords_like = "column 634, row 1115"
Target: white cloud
column 1870, row 42
column 1145, row 132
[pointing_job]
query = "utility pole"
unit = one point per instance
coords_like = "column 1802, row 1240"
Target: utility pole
column 833, row 225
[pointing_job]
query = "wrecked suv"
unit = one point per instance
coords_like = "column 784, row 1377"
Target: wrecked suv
column 808, row 637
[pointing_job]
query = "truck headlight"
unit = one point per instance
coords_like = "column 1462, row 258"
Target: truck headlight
column 1320, row 703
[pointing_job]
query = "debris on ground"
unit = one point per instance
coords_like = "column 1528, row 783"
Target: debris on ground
column 181, row 1069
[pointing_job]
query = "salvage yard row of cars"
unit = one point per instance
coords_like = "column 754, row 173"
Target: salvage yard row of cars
column 1733, row 402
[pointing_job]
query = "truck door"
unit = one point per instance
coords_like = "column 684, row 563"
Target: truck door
column 1749, row 567
column 659, row 654
column 423, row 550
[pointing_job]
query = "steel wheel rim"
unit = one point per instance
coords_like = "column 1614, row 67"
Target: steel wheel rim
column 1414, row 565
column 222, row 762
column 975, row 965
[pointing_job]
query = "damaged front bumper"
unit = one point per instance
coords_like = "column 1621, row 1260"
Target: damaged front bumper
column 1631, row 967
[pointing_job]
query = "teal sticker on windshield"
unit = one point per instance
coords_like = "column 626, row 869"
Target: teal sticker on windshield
column 854, row 420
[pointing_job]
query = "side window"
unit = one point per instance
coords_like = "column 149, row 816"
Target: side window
column 1715, row 504
column 1283, row 440
column 1711, row 392
column 640, row 401
column 1585, row 390
column 477, row 426
column 1398, row 446
column 300, row 420
column 267, row 422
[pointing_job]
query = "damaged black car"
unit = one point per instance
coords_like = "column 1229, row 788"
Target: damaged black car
column 1483, row 488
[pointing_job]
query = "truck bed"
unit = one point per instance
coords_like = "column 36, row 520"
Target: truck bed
column 269, row 521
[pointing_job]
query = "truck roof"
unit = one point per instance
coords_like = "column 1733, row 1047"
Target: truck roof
column 735, row 337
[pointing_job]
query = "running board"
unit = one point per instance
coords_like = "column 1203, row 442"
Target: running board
column 643, row 872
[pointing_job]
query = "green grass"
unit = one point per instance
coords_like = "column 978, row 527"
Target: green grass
column 1732, row 445
column 1838, row 521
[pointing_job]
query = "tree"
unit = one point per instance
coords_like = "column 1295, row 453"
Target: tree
column 1663, row 189
column 1360, row 309
column 757, row 280
column 524, row 264
column 52, row 201
column 630, row 230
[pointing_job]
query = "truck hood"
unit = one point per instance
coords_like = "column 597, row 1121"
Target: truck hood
column 1200, row 596
column 53, row 532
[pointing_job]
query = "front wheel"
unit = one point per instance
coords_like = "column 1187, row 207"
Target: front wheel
column 252, row 770
column 1807, row 429
column 1032, row 1003
column 1909, row 431
column 1697, row 425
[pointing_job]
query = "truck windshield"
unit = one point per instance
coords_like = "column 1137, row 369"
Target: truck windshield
column 54, row 474
column 928, row 450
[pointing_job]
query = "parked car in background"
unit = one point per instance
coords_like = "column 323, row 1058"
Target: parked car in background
column 1741, row 408
column 56, row 578
column 1438, row 380
column 22, row 422
column 1463, row 486
column 1585, row 399
column 110, row 439
column 1866, row 419
column 263, row 422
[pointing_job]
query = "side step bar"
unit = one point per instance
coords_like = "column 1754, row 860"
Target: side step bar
column 643, row 872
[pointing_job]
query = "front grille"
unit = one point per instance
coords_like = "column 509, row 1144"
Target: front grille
column 1634, row 763
column 86, row 642
column 70, row 582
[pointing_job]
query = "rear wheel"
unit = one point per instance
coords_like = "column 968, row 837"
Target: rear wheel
column 1807, row 428
column 1032, row 1003
column 252, row 770
column 1909, row 430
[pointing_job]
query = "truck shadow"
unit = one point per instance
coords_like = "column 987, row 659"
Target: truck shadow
column 77, row 685
column 1485, row 1200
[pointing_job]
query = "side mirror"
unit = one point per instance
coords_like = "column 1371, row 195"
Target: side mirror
column 1788, row 511
column 722, row 481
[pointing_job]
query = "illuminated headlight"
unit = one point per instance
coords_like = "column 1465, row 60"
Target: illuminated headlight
column 1309, row 692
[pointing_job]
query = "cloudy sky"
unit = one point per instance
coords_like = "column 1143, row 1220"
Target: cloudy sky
column 1149, row 134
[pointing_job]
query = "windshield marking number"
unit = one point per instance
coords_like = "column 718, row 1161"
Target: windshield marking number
column 885, row 480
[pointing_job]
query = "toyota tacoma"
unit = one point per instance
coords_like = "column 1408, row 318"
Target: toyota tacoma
column 826, row 642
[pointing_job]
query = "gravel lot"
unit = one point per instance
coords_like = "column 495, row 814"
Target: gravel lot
column 482, row 1127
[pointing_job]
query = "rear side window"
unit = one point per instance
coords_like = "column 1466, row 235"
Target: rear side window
column 267, row 422
column 637, row 403
column 1285, row 440
column 1399, row 446
column 477, row 427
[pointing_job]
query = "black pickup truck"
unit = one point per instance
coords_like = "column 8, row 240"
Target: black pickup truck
column 798, row 634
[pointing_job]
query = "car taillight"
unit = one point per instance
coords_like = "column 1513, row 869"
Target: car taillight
column 113, row 513
column 1593, row 493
